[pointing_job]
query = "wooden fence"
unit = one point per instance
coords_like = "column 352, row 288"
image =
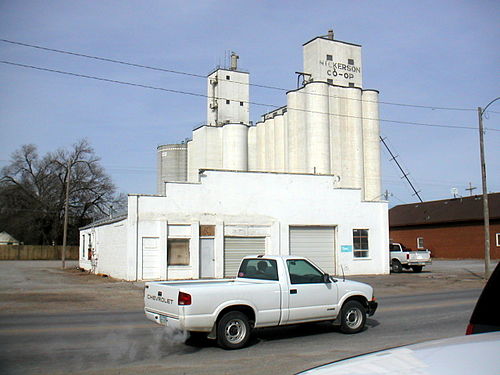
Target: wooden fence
column 37, row 252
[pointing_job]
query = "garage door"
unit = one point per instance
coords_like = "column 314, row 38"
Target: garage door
column 151, row 266
column 236, row 248
column 316, row 244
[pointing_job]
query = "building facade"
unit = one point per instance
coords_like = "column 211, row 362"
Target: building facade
column 303, row 181
column 450, row 228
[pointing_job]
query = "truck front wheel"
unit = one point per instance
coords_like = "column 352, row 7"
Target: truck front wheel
column 352, row 317
column 233, row 330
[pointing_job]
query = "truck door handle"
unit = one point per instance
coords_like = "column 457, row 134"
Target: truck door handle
column 293, row 291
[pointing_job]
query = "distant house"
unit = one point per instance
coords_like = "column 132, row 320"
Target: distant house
column 7, row 239
column 450, row 228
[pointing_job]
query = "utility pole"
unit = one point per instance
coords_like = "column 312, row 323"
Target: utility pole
column 470, row 188
column 66, row 206
column 486, row 214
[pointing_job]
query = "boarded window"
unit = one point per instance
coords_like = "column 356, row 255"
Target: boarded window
column 178, row 252
column 360, row 242
column 207, row 230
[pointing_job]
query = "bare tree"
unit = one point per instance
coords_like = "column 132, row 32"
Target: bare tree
column 32, row 193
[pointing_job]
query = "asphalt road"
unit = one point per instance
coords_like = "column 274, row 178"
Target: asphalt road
column 123, row 342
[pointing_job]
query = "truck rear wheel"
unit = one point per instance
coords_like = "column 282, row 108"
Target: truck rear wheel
column 417, row 268
column 396, row 266
column 352, row 317
column 233, row 330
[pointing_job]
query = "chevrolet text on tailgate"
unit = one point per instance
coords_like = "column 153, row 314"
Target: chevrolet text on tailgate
column 268, row 291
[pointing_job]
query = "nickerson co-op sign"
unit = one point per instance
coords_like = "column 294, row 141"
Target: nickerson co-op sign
column 340, row 70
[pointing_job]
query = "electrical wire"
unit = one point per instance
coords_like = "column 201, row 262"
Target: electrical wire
column 121, row 62
column 247, row 102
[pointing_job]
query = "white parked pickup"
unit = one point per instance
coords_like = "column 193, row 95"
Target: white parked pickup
column 402, row 257
column 268, row 291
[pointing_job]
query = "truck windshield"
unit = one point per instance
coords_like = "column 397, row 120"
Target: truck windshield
column 264, row 269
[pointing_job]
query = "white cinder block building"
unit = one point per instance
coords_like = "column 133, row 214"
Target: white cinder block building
column 305, row 180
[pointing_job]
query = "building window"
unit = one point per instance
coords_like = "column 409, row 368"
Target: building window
column 227, row 101
column 83, row 246
column 350, row 61
column 89, row 249
column 178, row 252
column 241, row 104
column 330, row 81
column 498, row 239
column 360, row 242
column 351, row 84
column 228, row 78
column 329, row 58
column 420, row 243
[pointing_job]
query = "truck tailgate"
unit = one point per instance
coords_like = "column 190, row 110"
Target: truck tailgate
column 162, row 298
column 420, row 255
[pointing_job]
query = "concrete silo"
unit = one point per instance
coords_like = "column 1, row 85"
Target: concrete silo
column 235, row 147
column 371, row 145
column 171, row 164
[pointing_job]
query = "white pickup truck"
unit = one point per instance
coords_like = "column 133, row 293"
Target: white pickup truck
column 402, row 257
column 268, row 291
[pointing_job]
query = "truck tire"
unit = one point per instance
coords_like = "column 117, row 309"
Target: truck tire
column 352, row 317
column 233, row 330
column 417, row 268
column 396, row 266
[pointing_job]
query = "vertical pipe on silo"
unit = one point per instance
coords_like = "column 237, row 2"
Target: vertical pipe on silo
column 279, row 144
column 371, row 145
column 269, row 126
column 285, row 141
column 318, row 128
column 297, row 133
column 353, row 137
column 160, row 189
column 193, row 159
column 261, row 146
column 335, row 131
column 235, row 147
column 252, row 148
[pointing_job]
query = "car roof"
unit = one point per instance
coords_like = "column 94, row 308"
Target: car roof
column 474, row 354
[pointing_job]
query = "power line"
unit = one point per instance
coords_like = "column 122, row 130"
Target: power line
column 121, row 62
column 247, row 102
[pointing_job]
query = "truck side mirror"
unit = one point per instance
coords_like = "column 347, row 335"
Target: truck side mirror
column 326, row 278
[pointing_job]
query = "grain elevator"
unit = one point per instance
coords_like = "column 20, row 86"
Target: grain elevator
column 329, row 125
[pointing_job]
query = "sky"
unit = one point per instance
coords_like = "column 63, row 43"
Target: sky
column 431, row 56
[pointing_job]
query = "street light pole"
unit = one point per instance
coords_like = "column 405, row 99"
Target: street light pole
column 66, row 206
column 486, row 213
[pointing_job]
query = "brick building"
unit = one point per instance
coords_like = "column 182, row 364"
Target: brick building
column 450, row 228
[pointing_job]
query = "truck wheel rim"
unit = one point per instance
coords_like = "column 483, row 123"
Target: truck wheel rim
column 354, row 317
column 235, row 331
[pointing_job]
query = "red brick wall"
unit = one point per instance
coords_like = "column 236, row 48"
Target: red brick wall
column 451, row 241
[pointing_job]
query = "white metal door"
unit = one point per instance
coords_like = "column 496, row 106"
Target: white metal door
column 151, row 267
column 236, row 248
column 316, row 244
column 207, row 258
